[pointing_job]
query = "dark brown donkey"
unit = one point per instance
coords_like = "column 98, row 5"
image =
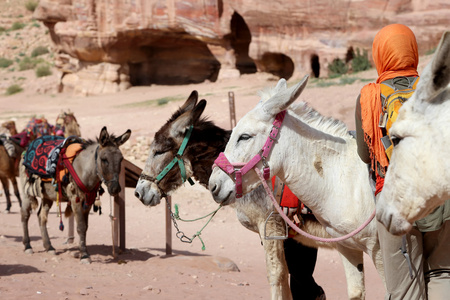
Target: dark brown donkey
column 205, row 143
column 97, row 161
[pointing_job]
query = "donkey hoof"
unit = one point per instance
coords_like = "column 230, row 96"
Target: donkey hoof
column 29, row 251
column 85, row 260
column 51, row 252
column 6, row 211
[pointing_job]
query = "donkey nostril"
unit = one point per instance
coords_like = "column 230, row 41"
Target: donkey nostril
column 137, row 195
column 213, row 189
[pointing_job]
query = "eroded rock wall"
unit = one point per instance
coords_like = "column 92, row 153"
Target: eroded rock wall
column 142, row 42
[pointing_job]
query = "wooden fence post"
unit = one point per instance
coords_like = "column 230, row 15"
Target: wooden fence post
column 232, row 109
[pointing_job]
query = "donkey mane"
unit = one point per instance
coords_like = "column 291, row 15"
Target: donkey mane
column 313, row 118
column 310, row 116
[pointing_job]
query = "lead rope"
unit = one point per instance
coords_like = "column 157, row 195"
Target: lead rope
column 295, row 227
column 180, row 234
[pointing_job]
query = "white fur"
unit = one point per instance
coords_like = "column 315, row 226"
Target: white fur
column 317, row 159
column 418, row 177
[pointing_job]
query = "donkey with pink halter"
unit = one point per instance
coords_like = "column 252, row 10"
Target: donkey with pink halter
column 317, row 159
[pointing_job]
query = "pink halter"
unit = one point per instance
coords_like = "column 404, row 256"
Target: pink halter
column 240, row 169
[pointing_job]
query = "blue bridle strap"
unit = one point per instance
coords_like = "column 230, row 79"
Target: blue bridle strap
column 178, row 159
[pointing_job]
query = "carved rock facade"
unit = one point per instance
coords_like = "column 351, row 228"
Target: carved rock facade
column 109, row 45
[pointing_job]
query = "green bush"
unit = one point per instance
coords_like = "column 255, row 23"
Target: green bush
column 337, row 67
column 31, row 5
column 2, row 29
column 13, row 89
column 28, row 63
column 39, row 51
column 43, row 70
column 361, row 62
column 4, row 62
column 17, row 26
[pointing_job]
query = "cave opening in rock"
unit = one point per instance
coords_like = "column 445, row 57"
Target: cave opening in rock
column 240, row 39
column 277, row 64
column 315, row 65
column 173, row 60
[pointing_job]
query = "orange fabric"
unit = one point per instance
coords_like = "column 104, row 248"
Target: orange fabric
column 289, row 199
column 71, row 151
column 395, row 53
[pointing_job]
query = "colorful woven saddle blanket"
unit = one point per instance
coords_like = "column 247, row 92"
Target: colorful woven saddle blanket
column 42, row 155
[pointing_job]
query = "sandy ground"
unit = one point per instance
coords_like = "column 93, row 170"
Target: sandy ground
column 143, row 271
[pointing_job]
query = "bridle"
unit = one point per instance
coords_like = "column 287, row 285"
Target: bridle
column 177, row 159
column 240, row 169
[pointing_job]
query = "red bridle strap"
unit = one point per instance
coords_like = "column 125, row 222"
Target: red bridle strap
column 240, row 169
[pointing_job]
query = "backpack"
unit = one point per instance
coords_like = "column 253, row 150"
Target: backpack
column 391, row 101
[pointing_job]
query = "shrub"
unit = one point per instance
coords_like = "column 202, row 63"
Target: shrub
column 28, row 63
column 39, row 51
column 361, row 62
column 31, row 5
column 13, row 89
column 43, row 70
column 2, row 29
column 337, row 67
column 4, row 62
column 17, row 26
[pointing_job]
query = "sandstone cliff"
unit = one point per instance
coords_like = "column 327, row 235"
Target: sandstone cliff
column 108, row 45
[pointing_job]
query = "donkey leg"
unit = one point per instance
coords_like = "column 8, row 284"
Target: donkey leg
column 46, row 204
column 81, row 217
column 16, row 190
column 5, row 185
column 25, row 212
column 276, row 267
column 352, row 261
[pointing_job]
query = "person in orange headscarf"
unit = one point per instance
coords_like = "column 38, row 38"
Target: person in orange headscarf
column 412, row 263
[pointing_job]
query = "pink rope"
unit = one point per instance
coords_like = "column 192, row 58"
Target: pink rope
column 305, row 234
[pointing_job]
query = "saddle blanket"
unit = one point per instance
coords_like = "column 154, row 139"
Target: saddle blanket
column 42, row 155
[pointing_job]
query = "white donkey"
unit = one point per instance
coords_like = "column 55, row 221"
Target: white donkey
column 317, row 158
column 418, row 177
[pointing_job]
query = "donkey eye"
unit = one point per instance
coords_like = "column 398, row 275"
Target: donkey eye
column 104, row 161
column 244, row 137
column 158, row 153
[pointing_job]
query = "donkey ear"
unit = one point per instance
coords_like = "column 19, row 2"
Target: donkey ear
column 119, row 141
column 436, row 75
column 190, row 102
column 103, row 137
column 198, row 110
column 283, row 98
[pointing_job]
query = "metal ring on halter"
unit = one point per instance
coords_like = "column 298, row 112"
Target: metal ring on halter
column 155, row 181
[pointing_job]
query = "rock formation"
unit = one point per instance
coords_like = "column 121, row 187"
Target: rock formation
column 108, row 45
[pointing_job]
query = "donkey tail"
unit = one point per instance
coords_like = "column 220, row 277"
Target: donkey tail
column 68, row 212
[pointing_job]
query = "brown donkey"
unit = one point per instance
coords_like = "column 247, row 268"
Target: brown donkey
column 97, row 161
column 9, row 166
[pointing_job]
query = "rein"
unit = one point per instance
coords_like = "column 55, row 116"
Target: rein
column 240, row 169
column 177, row 159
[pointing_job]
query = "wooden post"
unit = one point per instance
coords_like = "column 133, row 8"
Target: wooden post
column 119, row 212
column 232, row 109
column 168, row 226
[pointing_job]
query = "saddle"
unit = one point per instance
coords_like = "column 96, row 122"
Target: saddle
column 42, row 157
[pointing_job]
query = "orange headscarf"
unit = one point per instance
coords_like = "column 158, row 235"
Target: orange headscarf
column 395, row 53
